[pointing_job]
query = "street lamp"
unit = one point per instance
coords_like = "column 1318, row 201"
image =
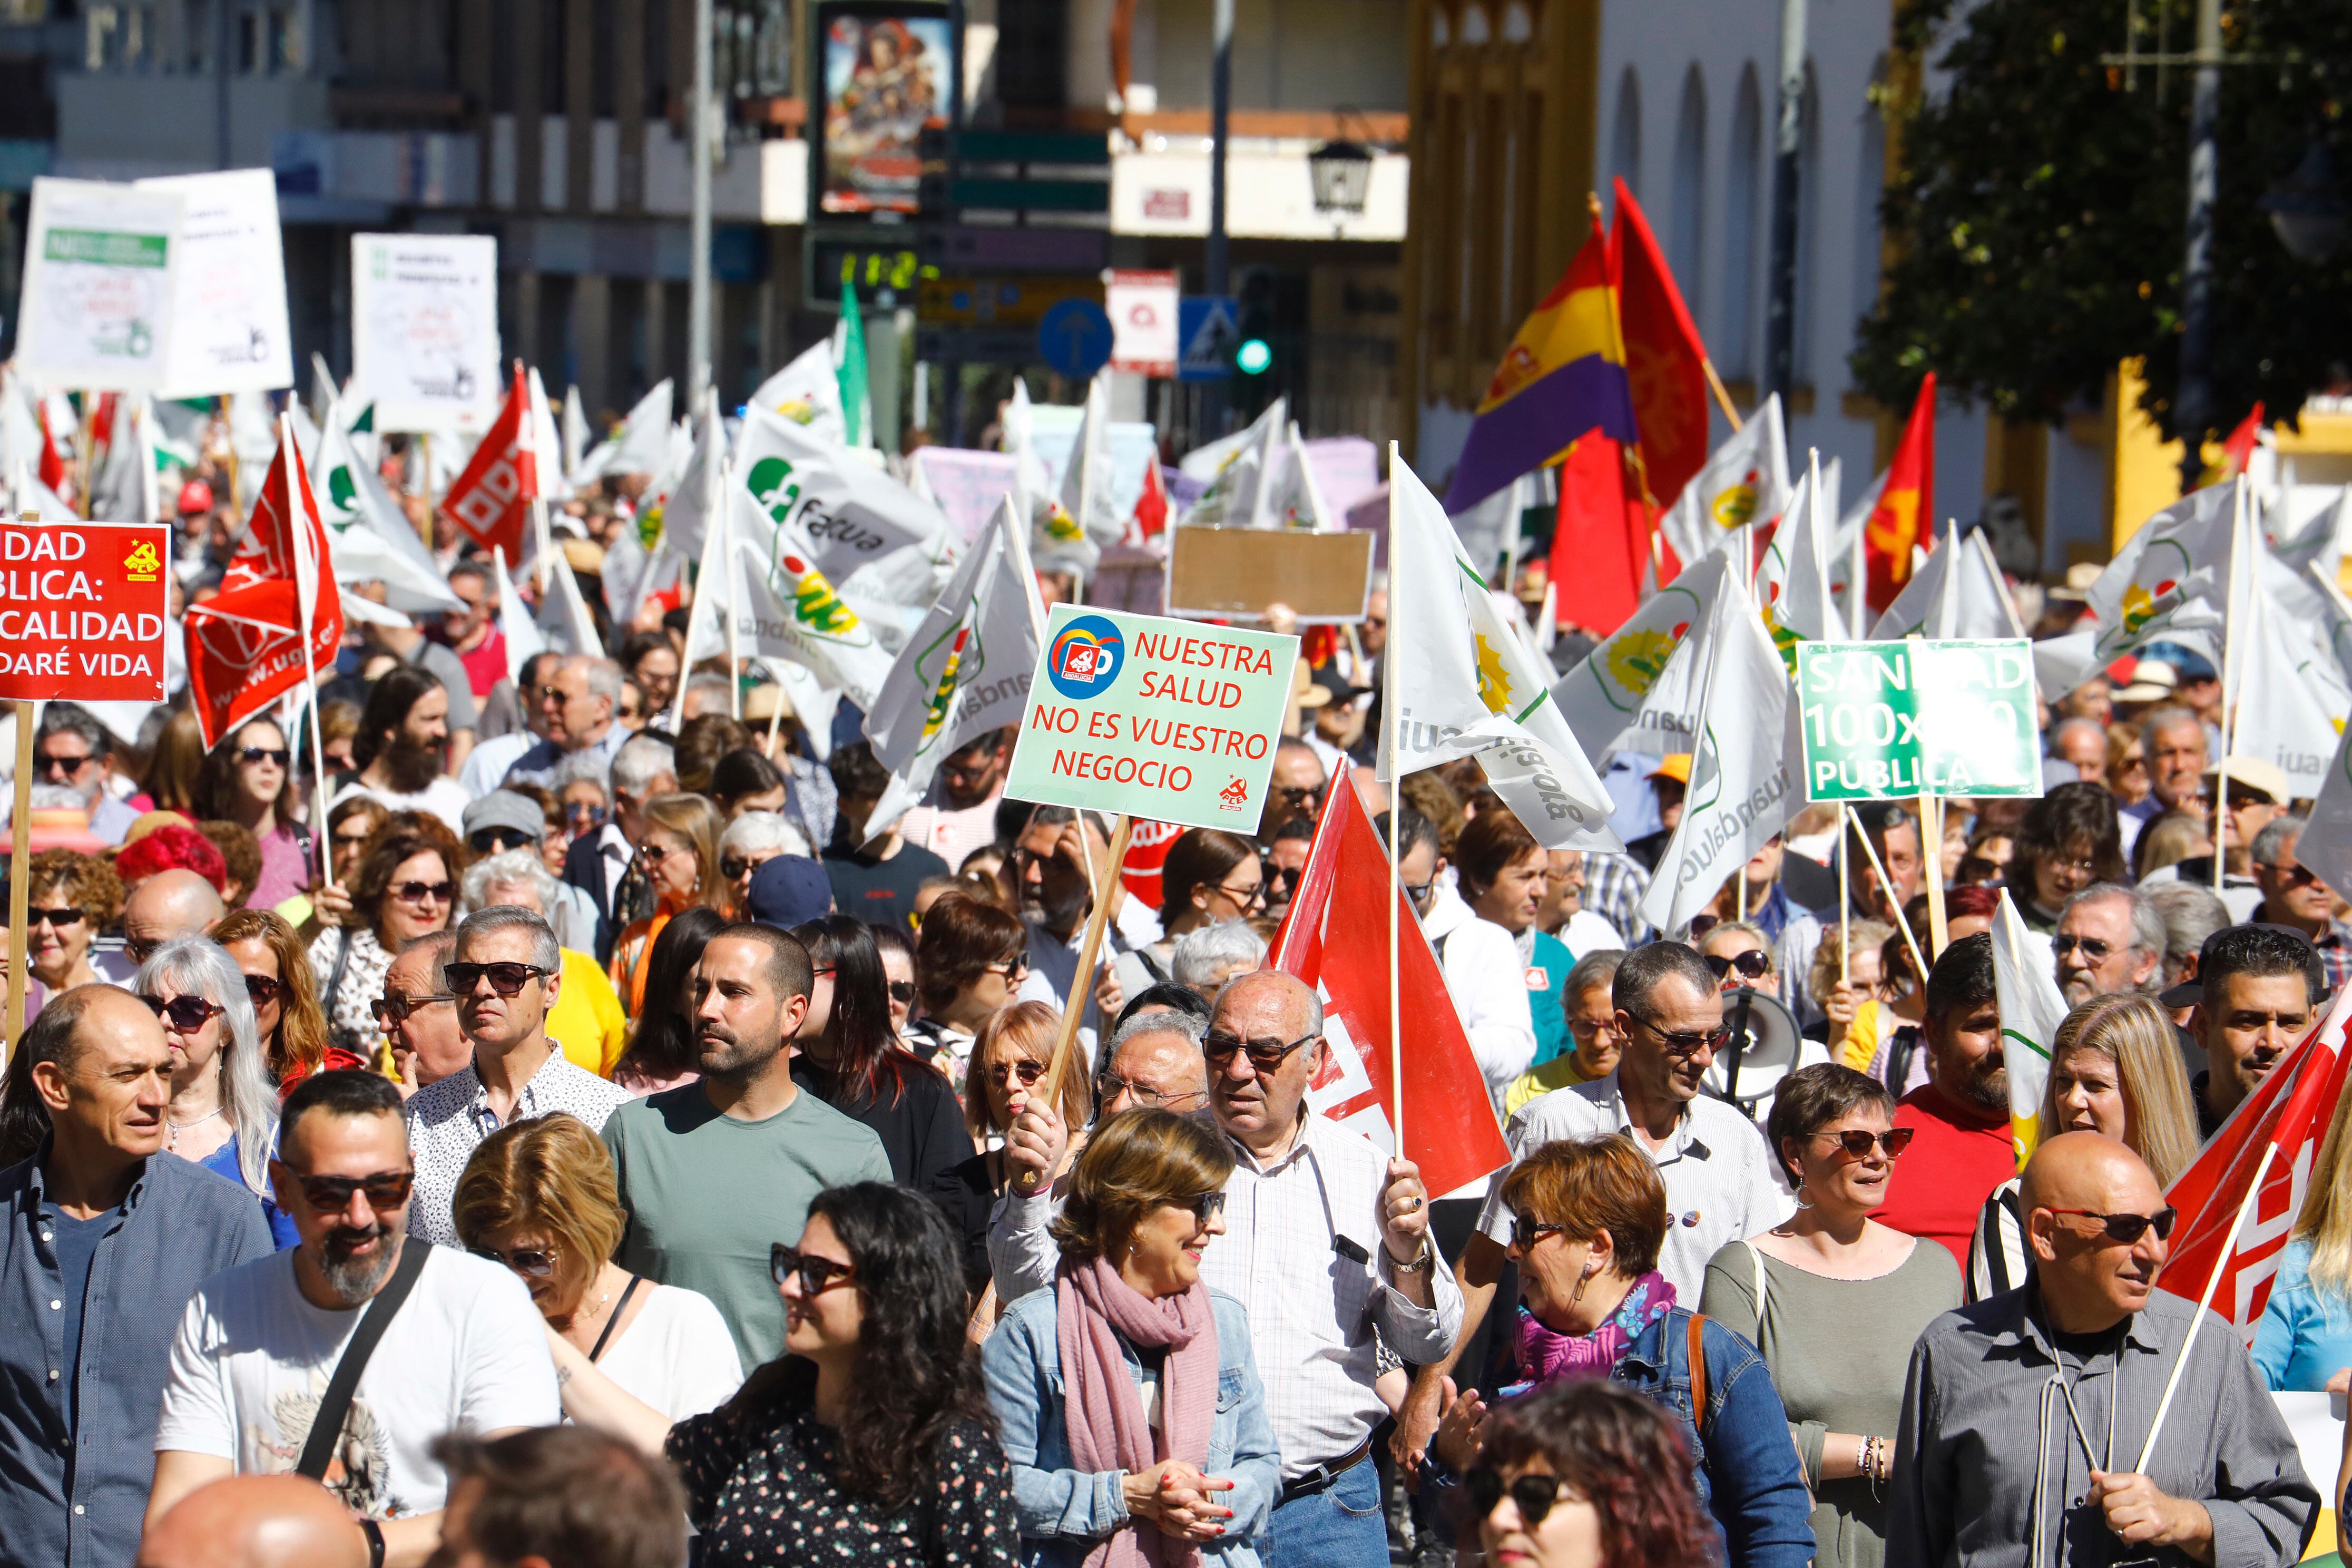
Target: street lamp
column 1341, row 170
column 2307, row 209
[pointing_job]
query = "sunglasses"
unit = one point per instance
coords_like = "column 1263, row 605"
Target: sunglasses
column 1687, row 1042
column 280, row 755
column 2093, row 948
column 2296, row 876
column 1002, row 1073
column 1858, row 1143
column 1012, row 969
column 333, row 1194
column 491, row 839
column 417, row 892
column 52, row 917
column 2128, row 1229
column 187, row 1013
column 817, row 1274
column 1751, row 964
column 580, row 811
column 1266, row 1056
column 649, row 851
column 505, row 979
column 1535, row 1495
column 1245, row 897
column 1204, row 1207
column 531, row 1262
column 392, row 1009
column 1527, row 1232
column 140, row 949
column 1419, row 891
column 734, row 866
column 70, row 766
column 902, row 992
column 262, row 989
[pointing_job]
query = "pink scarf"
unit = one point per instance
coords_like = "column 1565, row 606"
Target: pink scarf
column 1102, row 1408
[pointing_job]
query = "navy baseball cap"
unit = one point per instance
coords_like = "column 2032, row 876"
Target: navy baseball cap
column 788, row 890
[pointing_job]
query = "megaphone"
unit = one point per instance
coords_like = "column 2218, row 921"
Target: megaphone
column 1765, row 1046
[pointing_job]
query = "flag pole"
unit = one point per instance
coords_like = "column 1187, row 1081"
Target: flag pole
column 20, row 880
column 1845, row 900
column 1396, row 822
column 1722, row 397
column 1082, row 984
column 1888, row 887
column 2188, row 1341
column 2229, row 648
column 715, row 510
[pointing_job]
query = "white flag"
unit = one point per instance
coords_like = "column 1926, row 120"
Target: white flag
column 808, row 393
column 641, row 447
column 1745, row 480
column 523, row 641
column 369, row 536
column 2145, row 588
column 547, row 444
column 2031, row 1008
column 1792, row 581
column 1087, row 477
column 1741, row 792
column 1297, row 494
column 1238, row 469
column 1468, row 685
column 564, row 618
column 125, row 490
column 965, row 671
column 2290, row 703
column 575, row 436
column 843, row 511
column 1639, row 688
column 784, row 608
column 2326, row 845
column 1955, row 593
column 2306, row 524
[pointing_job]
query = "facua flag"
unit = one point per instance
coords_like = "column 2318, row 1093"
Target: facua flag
column 2031, row 1008
column 2156, row 576
column 490, row 500
column 1563, row 374
column 1745, row 480
column 847, row 512
column 1467, row 685
column 965, row 671
column 1906, row 503
column 1600, row 539
column 1665, row 363
column 1638, row 691
column 1238, row 470
column 1792, row 580
column 1335, row 938
column 246, row 645
column 808, row 393
column 2299, row 703
column 784, row 608
column 1740, row 790
column 2288, row 1112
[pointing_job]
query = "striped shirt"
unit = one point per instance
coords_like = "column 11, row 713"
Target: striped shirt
column 1997, row 1253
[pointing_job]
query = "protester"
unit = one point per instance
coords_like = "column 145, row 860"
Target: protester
column 850, row 1059
column 971, row 781
column 2253, row 993
column 105, row 1241
column 686, row 1157
column 1009, row 1057
column 285, row 1013
column 1835, row 1299
column 1737, row 954
column 1127, row 1399
column 1207, row 877
column 745, row 780
column 538, row 1196
column 471, row 632
column 1209, row 956
column 485, row 765
column 2112, row 1070
column 72, row 749
column 578, row 706
column 403, row 748
column 1591, row 1020
column 257, row 1343
column 678, row 852
column 419, row 1017
column 255, row 1521
column 349, row 826
column 2294, row 896
column 240, row 855
column 603, row 861
column 223, row 1113
column 1587, row 1218
column 661, row 1052
column 2190, row 914
column 968, row 965
column 651, row 661
column 1500, row 871
column 1891, row 834
column 585, row 1018
column 750, row 841
column 569, row 1495
column 2108, row 941
column 70, row 897
column 1295, row 789
column 872, row 1440
column 159, row 843
column 505, row 971
column 166, row 905
column 874, row 878
column 1155, row 1060
column 1587, row 1474
column 1999, row 1469
column 403, row 889
column 2258, row 795
column 895, row 946
column 2068, row 840
column 2166, row 842
column 506, row 822
column 2303, row 1340
column 419, row 654
column 1049, row 870
column 246, row 780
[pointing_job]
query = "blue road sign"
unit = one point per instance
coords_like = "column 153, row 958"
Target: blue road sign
column 1075, row 339
column 1206, row 328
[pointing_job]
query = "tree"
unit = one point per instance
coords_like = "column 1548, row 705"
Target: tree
column 2037, row 229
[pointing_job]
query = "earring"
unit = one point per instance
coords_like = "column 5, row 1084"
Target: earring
column 1800, row 1196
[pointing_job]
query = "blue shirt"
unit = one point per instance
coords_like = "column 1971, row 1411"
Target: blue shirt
column 78, row 1409
column 2304, row 1336
column 76, row 1244
column 1548, row 996
column 223, row 1163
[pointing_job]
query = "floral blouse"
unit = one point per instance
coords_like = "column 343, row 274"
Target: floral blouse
column 760, row 1491
column 351, row 1009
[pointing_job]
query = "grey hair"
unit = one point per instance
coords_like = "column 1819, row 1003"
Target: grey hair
column 710, row 685
column 59, row 717
column 603, row 676
column 1168, row 1021
column 2173, row 718
column 2274, row 837
column 1062, row 815
column 2148, row 937
column 763, row 830
column 1747, row 927
column 583, row 767
column 436, row 942
column 1204, row 950
column 507, row 868
column 199, row 966
column 2190, row 914
column 1641, row 971
column 544, row 952
column 2058, row 730
column 640, row 761
column 1593, row 971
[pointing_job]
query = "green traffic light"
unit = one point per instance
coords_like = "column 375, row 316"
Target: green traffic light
column 1254, row 356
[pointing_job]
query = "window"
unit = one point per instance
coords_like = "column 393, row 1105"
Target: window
column 1743, row 180
column 1626, row 141
column 1685, row 248
column 1869, row 184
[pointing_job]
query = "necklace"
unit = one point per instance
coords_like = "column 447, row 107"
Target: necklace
column 172, row 1139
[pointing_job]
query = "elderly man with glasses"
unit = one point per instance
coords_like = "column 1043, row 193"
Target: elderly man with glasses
column 2295, row 897
column 579, row 708
column 72, row 750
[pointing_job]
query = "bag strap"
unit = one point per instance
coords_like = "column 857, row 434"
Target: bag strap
column 335, row 979
column 1698, row 1372
column 327, row 1426
column 1762, row 1286
column 614, row 1321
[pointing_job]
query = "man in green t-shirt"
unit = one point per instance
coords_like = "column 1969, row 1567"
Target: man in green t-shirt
column 713, row 1174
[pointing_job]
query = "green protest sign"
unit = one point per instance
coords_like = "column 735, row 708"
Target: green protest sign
column 1164, row 719
column 1891, row 720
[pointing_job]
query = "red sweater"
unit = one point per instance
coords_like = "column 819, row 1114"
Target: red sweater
column 1955, row 1162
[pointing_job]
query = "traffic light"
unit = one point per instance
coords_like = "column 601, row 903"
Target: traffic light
column 1255, row 356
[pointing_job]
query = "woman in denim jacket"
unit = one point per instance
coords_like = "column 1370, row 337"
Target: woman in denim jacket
column 1126, row 1398
column 1587, row 1220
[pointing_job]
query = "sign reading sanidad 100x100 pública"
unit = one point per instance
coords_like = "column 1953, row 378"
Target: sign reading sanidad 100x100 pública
column 1163, row 718
column 82, row 609
column 1889, row 721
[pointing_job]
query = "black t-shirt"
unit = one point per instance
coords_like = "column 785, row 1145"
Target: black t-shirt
column 877, row 891
column 920, row 1124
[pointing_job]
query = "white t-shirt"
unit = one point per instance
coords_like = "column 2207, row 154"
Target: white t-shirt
column 676, row 1354
column 252, row 1359
column 444, row 797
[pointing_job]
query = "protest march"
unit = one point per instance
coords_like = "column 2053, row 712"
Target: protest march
column 659, row 986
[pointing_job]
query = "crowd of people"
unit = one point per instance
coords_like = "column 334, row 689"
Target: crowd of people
column 566, row 1134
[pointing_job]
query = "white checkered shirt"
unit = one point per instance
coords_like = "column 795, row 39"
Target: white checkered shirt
column 448, row 1119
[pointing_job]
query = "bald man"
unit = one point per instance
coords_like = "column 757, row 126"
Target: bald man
column 2026, row 1412
column 168, row 904
column 255, row 1521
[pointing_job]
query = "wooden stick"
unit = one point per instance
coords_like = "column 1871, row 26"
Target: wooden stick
column 1845, row 902
column 1887, row 886
column 1082, row 984
column 1722, row 397
column 83, row 499
column 20, row 880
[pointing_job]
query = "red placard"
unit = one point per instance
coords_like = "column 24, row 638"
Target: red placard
column 83, row 608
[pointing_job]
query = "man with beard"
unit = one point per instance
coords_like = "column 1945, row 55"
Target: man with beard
column 402, row 748
column 1049, row 866
column 2109, row 942
column 2253, row 993
column 73, row 751
column 712, row 1173
column 418, row 652
column 258, row 1345
column 1959, row 1118
column 106, row 1237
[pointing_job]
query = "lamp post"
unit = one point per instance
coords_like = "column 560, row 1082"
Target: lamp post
column 1342, row 173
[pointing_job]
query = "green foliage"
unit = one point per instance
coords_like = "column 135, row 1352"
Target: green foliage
column 2040, row 226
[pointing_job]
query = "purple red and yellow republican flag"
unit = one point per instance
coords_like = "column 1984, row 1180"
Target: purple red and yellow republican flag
column 1563, row 374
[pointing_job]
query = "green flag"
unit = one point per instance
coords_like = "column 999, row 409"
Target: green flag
column 856, row 403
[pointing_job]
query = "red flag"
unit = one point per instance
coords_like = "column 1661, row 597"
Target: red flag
column 2290, row 1108
column 1336, row 938
column 245, row 646
column 53, row 463
column 490, row 502
column 2239, row 450
column 1599, row 545
column 1906, row 507
column 1664, row 359
column 1147, row 852
column 1151, row 506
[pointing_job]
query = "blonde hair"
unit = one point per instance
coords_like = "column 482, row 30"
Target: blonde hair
column 2326, row 1223
column 2136, row 1035
column 696, row 820
column 550, row 1173
column 1028, row 1029
column 1134, row 1163
column 1863, row 936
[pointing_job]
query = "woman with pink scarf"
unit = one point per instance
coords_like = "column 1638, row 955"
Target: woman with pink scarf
column 1126, row 1397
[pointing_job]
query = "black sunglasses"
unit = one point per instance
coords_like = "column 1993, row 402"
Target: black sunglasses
column 1202, row 1204
column 491, row 838
column 333, row 1194
column 2093, row 947
column 1002, row 1073
column 187, row 1012
column 417, row 892
column 262, row 989
column 68, row 917
column 1534, row 1493
column 1527, row 1232
column 505, row 979
column 1751, row 964
column 2128, row 1228
column 1687, row 1042
column 734, row 865
column 903, row 992
column 392, row 1009
column 278, row 754
column 817, row 1274
column 140, row 949
column 1266, row 1056
column 531, row 1262
column 1858, row 1142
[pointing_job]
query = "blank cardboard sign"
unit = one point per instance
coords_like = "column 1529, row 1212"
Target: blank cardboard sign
column 1234, row 573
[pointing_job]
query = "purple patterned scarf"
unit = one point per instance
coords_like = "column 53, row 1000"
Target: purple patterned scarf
column 1544, row 1355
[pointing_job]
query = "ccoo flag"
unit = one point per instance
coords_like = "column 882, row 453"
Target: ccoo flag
column 2030, row 1011
column 1907, row 499
column 1563, row 374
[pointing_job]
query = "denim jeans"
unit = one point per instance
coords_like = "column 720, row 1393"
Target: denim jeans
column 1338, row 1526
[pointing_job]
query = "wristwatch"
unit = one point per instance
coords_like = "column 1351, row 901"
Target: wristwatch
column 1419, row 1265
column 374, row 1533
